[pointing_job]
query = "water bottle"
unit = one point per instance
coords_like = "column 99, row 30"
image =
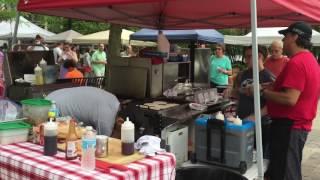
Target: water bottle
column 88, row 160
column 38, row 75
column 127, row 137
column 54, row 109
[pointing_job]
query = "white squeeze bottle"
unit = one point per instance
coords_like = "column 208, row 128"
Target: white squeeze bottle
column 220, row 116
column 237, row 121
column 127, row 137
column 88, row 160
column 43, row 65
column 38, row 75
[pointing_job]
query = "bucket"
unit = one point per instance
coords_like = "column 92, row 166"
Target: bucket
column 36, row 110
column 207, row 173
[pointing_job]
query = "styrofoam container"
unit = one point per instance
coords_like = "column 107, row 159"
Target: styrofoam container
column 13, row 132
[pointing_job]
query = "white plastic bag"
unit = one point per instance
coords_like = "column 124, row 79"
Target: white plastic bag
column 9, row 111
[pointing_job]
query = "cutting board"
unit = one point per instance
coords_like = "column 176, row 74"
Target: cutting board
column 114, row 153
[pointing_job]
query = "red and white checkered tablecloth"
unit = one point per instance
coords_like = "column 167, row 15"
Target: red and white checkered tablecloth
column 25, row 161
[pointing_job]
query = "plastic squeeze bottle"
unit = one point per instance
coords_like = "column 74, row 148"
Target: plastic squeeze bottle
column 237, row 121
column 50, row 138
column 71, row 141
column 38, row 75
column 220, row 116
column 88, row 160
column 43, row 65
column 54, row 108
column 127, row 137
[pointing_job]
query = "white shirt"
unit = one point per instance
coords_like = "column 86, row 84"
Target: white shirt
column 57, row 51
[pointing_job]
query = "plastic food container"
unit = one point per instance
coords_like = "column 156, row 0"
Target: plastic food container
column 14, row 132
column 36, row 110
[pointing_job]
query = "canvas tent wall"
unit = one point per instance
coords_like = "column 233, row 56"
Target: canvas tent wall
column 65, row 36
column 204, row 35
column 189, row 14
column 26, row 30
column 265, row 37
column 103, row 37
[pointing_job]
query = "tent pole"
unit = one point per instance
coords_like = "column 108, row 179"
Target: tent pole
column 14, row 38
column 256, row 87
column 192, row 48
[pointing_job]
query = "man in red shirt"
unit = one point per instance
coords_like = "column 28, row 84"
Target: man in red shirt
column 276, row 62
column 292, row 104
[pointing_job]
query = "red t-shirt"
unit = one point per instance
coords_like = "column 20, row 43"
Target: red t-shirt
column 302, row 73
column 276, row 65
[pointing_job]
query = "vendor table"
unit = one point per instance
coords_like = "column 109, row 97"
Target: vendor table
column 24, row 161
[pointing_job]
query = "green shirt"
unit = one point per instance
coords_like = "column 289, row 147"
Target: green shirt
column 216, row 76
column 98, row 56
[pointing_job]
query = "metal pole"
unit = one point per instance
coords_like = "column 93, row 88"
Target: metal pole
column 256, row 85
column 14, row 38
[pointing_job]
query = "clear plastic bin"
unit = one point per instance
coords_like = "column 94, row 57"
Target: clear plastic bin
column 13, row 132
column 36, row 110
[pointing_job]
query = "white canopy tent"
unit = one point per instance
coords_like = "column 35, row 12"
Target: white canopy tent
column 26, row 30
column 103, row 37
column 265, row 37
column 65, row 36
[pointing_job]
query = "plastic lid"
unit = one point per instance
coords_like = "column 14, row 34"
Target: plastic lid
column 51, row 114
column 43, row 61
column 36, row 102
column 37, row 67
column 237, row 121
column 50, row 126
column 14, row 125
column 127, row 124
column 220, row 116
column 89, row 128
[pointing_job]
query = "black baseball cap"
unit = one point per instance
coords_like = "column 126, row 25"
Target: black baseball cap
column 301, row 28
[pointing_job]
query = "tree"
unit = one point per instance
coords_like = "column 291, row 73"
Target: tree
column 7, row 9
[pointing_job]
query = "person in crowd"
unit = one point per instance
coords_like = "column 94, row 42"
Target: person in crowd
column 73, row 72
column 99, row 61
column 87, row 62
column 67, row 53
column 5, row 47
column 39, row 44
column 92, row 106
column 163, row 44
column 220, row 68
column 292, row 103
column 128, row 52
column 277, row 61
column 2, row 87
column 243, row 82
column 57, row 51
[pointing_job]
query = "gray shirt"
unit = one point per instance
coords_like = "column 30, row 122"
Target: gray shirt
column 246, row 103
column 90, row 105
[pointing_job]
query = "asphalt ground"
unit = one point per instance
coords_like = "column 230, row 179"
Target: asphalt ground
column 311, row 153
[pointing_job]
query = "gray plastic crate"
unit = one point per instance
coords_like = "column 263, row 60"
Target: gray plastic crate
column 237, row 143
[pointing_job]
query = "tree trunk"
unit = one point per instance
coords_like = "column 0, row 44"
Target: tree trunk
column 114, row 47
